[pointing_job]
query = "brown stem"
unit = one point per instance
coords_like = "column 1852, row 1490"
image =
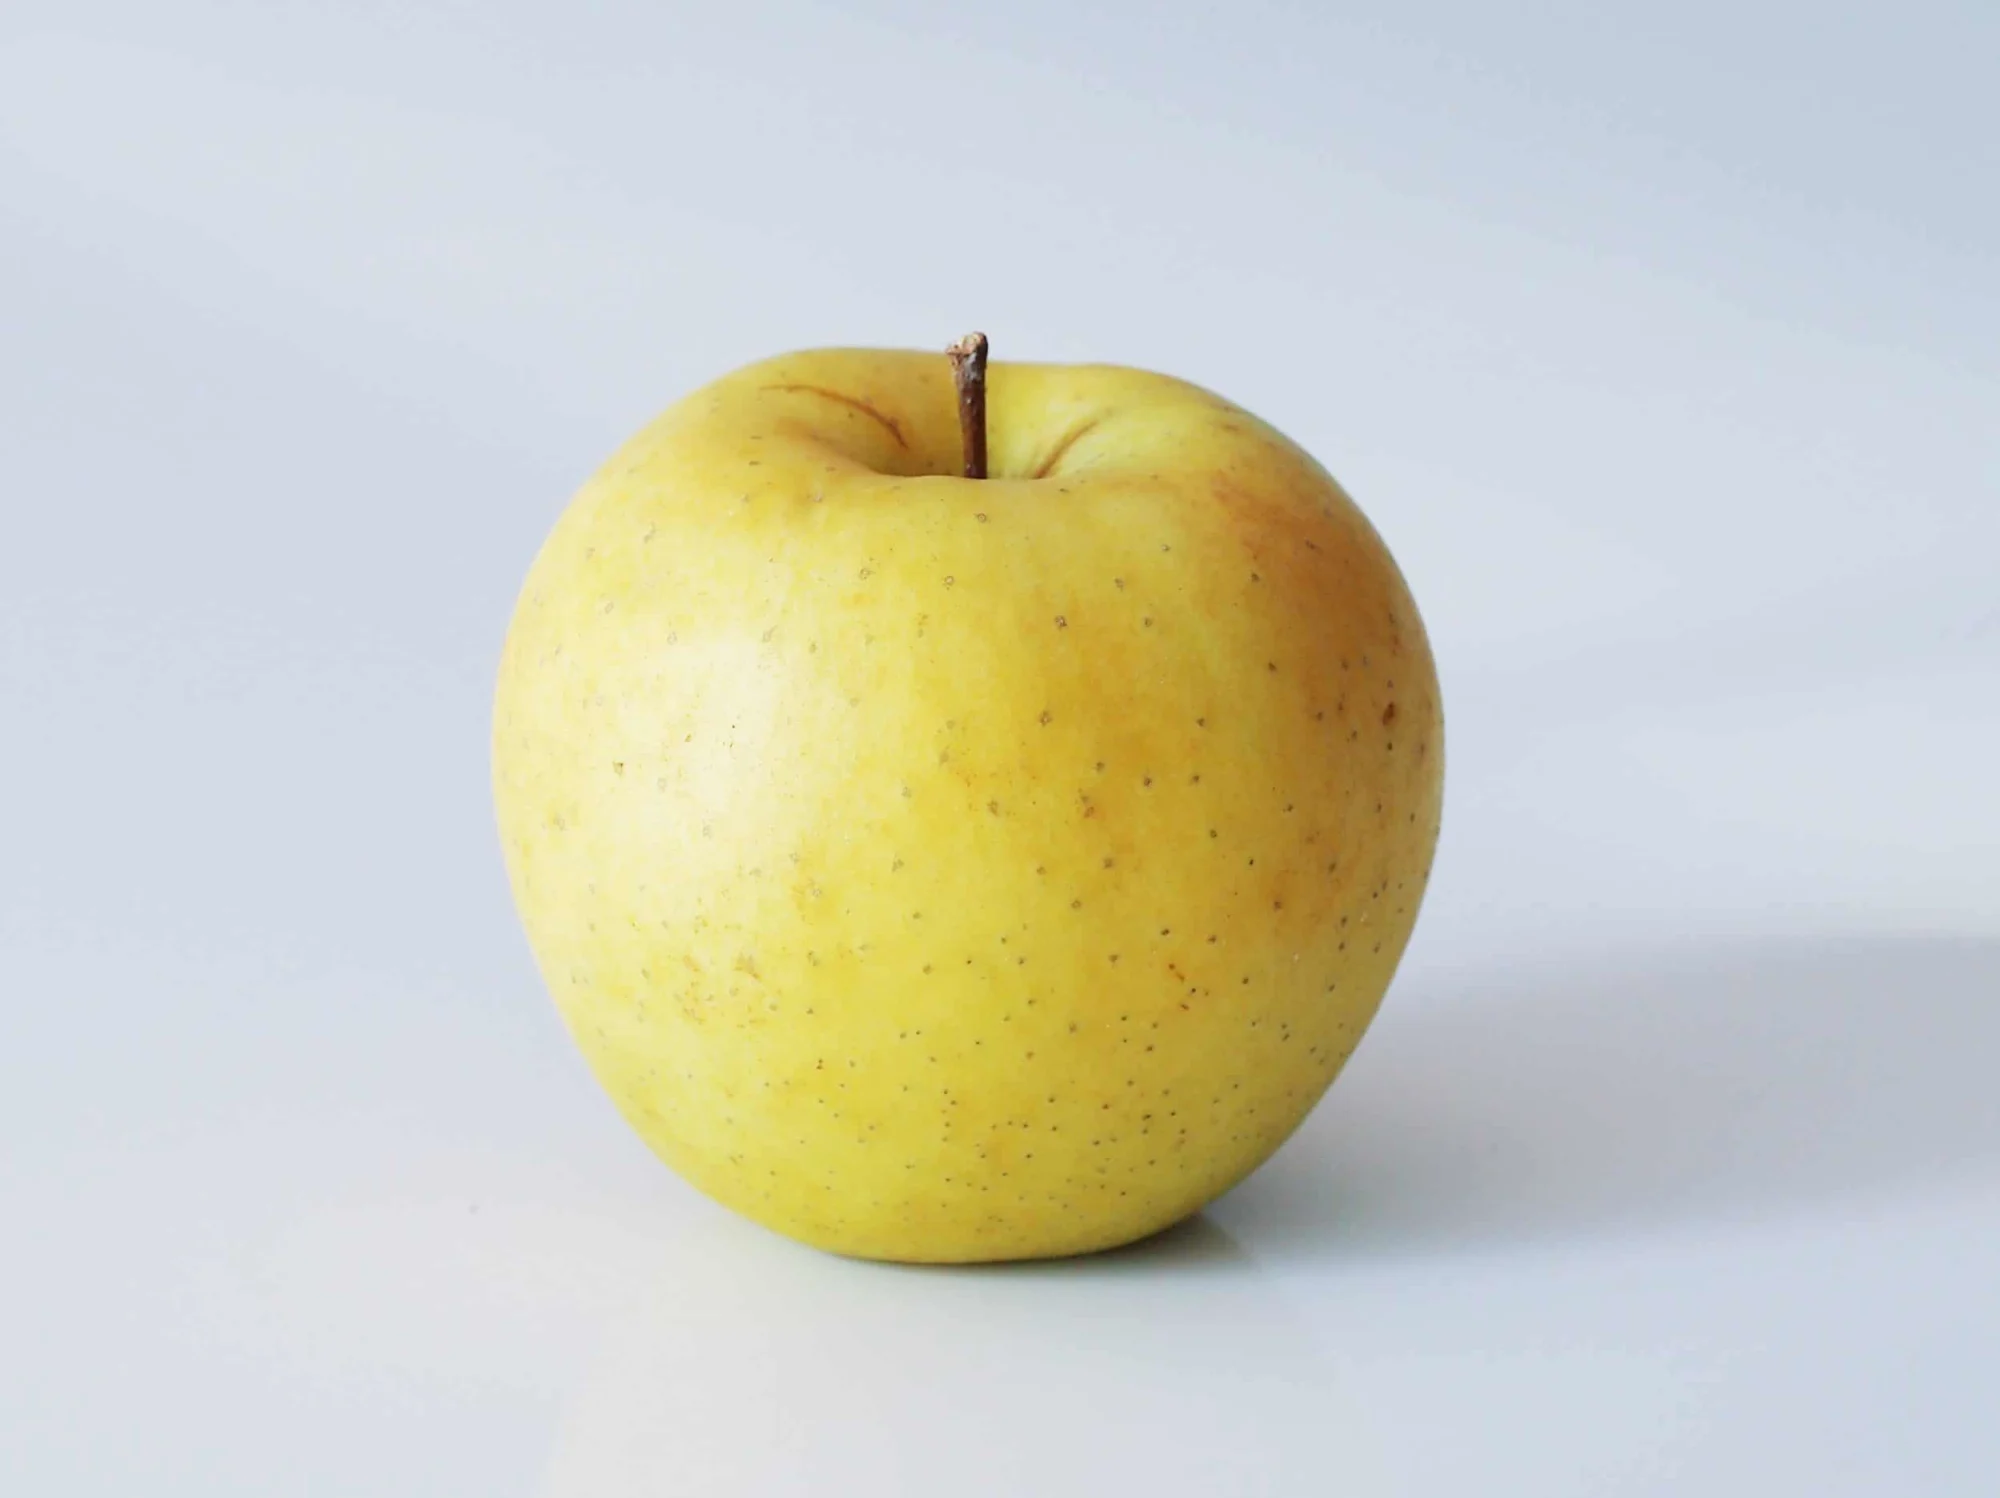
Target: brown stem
column 968, row 372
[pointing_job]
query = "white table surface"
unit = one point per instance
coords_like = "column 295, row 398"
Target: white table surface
column 1665, row 359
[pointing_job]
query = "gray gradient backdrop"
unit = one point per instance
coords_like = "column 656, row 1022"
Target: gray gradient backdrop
column 1663, row 345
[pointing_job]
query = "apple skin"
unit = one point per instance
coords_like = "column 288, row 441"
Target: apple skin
column 944, row 870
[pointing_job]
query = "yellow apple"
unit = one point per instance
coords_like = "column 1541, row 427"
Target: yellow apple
column 936, row 868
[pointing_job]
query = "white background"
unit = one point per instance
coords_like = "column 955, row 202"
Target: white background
column 1660, row 343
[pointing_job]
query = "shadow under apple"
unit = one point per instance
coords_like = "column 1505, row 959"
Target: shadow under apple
column 1729, row 1081
column 1173, row 1365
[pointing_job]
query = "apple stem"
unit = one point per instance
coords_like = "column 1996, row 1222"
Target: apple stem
column 968, row 372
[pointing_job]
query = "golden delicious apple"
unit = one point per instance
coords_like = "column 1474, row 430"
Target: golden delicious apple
column 942, row 868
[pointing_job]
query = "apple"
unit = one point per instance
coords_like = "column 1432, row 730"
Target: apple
column 941, row 868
